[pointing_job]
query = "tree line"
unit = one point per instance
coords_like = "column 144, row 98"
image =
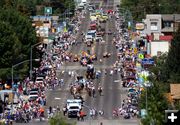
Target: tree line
column 17, row 33
column 139, row 8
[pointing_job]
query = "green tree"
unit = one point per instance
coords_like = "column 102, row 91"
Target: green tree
column 156, row 105
column 16, row 37
column 139, row 8
column 10, row 45
column 173, row 59
column 22, row 26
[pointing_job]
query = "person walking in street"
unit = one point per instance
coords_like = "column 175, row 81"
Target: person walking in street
column 89, row 92
column 64, row 110
column 50, row 110
column 61, row 82
column 93, row 91
column 94, row 112
column 78, row 116
column 82, row 115
column 100, row 90
column 91, row 112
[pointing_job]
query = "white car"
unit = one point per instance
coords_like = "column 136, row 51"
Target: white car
column 88, row 38
column 32, row 97
column 33, row 93
column 73, row 106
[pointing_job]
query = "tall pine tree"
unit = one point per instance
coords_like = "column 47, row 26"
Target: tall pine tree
column 173, row 59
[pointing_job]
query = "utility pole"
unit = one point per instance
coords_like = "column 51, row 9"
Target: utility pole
column 174, row 20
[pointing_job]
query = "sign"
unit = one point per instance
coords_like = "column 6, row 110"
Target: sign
column 143, row 113
column 135, row 51
column 147, row 61
column 154, row 28
column 140, row 56
column 48, row 10
column 139, row 26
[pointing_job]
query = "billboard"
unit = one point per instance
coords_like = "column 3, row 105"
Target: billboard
column 139, row 26
column 148, row 61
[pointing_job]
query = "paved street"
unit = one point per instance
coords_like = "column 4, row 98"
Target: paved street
column 109, row 122
column 113, row 93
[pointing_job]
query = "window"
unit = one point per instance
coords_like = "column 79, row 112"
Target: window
column 167, row 24
column 154, row 26
column 74, row 107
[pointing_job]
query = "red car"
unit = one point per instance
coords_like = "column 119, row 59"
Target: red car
column 93, row 26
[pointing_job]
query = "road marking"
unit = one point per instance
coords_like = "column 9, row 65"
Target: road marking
column 57, row 98
column 117, row 80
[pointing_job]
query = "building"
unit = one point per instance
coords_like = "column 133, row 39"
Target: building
column 153, row 24
column 164, row 24
column 159, row 30
column 44, row 24
column 158, row 44
column 46, row 21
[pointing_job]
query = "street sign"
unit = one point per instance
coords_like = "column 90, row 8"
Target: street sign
column 140, row 56
column 48, row 10
column 147, row 61
column 143, row 113
column 135, row 50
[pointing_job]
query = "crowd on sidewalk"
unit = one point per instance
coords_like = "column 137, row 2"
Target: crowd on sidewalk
column 127, row 59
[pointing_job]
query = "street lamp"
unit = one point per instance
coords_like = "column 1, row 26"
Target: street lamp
column 147, row 85
column 12, row 68
column 30, row 72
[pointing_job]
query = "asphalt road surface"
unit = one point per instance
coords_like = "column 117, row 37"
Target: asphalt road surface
column 113, row 93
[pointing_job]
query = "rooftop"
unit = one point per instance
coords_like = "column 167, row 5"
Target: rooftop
column 175, row 91
column 171, row 17
column 161, row 38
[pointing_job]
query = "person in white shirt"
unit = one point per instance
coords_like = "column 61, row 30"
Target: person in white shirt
column 91, row 112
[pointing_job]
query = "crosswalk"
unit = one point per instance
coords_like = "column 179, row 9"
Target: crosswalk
column 83, row 67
